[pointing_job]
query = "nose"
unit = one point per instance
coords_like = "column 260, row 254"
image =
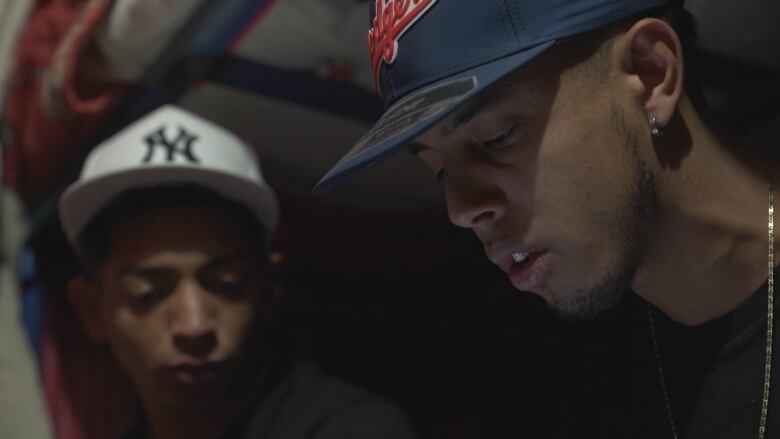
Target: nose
column 193, row 326
column 473, row 200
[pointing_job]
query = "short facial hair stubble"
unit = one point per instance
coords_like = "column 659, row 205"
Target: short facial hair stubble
column 640, row 214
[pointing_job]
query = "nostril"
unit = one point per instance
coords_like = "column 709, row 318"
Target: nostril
column 471, row 219
column 197, row 345
column 470, row 203
column 483, row 216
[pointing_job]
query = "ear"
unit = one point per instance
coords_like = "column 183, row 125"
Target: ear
column 84, row 294
column 270, row 287
column 651, row 54
column 273, row 272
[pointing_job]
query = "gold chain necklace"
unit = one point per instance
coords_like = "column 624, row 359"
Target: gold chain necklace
column 769, row 319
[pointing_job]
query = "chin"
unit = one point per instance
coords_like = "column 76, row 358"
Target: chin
column 188, row 393
column 193, row 399
column 589, row 303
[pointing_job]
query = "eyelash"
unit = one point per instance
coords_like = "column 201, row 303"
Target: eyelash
column 145, row 298
column 503, row 140
column 496, row 143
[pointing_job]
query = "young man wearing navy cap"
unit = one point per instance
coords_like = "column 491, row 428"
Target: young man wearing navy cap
column 568, row 139
column 172, row 218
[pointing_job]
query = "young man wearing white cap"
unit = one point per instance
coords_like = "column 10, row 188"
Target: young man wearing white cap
column 173, row 218
column 568, row 140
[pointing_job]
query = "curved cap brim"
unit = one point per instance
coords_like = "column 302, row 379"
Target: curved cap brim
column 82, row 201
column 419, row 110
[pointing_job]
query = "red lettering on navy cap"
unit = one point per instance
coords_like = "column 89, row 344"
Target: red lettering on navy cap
column 392, row 19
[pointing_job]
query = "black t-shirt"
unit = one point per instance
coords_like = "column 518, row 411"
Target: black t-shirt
column 714, row 376
column 298, row 401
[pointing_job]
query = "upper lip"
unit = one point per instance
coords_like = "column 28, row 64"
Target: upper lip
column 500, row 253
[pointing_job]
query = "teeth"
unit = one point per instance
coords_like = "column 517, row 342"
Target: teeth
column 519, row 257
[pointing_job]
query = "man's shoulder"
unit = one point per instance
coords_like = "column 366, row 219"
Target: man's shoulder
column 307, row 403
column 314, row 387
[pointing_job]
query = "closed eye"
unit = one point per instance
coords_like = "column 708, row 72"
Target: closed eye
column 231, row 278
column 145, row 297
column 426, row 155
column 230, row 284
column 145, row 286
column 504, row 140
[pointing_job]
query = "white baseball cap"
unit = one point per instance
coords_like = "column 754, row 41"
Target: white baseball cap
column 167, row 146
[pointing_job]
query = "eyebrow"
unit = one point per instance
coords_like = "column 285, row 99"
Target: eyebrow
column 415, row 147
column 462, row 117
column 216, row 262
column 141, row 271
column 145, row 271
column 468, row 113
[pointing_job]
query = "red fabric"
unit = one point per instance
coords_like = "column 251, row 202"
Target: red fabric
column 42, row 144
column 76, row 102
column 87, row 394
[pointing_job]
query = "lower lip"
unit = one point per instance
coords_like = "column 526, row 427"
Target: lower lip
column 191, row 376
column 530, row 275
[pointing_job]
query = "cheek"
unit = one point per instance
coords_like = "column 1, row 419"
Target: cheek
column 237, row 322
column 135, row 340
column 584, row 181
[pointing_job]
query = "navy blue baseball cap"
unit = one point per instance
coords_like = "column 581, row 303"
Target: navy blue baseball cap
column 430, row 56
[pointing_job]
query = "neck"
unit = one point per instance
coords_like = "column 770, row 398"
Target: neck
column 208, row 417
column 206, row 423
column 707, row 253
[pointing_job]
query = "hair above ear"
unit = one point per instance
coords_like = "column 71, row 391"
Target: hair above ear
column 84, row 295
column 651, row 53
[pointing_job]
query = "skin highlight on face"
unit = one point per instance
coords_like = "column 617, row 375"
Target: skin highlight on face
column 551, row 164
column 642, row 214
column 180, row 301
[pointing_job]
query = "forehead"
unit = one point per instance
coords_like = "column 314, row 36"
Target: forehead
column 529, row 90
column 205, row 228
column 522, row 92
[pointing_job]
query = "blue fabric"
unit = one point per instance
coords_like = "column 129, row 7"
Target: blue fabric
column 364, row 155
column 455, row 39
column 456, row 35
column 33, row 299
column 300, row 87
column 215, row 26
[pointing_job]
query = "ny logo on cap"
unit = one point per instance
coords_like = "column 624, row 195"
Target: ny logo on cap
column 392, row 19
column 181, row 145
